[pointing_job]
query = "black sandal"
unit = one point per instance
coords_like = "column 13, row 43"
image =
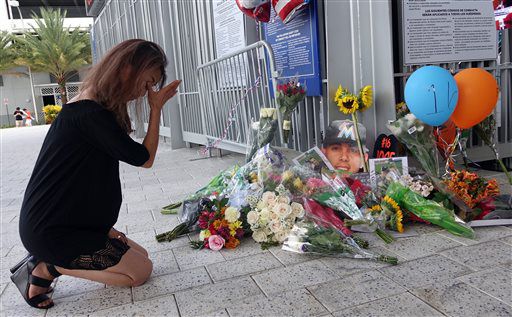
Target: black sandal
column 23, row 277
column 23, row 261
column 19, row 264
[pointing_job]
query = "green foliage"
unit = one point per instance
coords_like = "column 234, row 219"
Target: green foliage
column 50, row 47
column 7, row 53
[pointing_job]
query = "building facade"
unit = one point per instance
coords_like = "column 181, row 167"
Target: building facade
column 15, row 84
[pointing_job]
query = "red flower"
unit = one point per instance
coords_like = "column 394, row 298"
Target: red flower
column 324, row 216
column 239, row 233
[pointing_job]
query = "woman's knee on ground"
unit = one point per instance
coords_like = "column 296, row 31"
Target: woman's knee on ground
column 143, row 272
column 137, row 247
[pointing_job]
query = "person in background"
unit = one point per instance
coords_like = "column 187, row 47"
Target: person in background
column 28, row 117
column 18, row 117
column 73, row 198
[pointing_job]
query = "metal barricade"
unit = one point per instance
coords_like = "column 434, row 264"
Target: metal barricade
column 232, row 89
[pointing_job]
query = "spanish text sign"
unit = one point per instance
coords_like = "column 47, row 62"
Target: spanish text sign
column 448, row 31
column 295, row 47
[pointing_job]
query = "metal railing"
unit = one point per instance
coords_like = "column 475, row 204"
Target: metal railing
column 232, row 90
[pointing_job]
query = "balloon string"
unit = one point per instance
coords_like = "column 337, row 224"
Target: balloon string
column 449, row 149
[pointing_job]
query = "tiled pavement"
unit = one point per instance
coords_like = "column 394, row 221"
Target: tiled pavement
column 439, row 274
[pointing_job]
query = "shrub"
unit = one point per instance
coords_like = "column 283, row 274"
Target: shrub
column 51, row 112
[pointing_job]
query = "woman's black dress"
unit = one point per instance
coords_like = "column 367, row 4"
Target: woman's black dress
column 74, row 194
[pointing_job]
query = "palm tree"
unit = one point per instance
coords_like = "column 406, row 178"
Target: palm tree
column 7, row 54
column 52, row 48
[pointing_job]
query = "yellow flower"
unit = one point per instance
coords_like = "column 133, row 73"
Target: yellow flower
column 399, row 219
column 253, row 177
column 390, row 204
column 287, row 175
column 338, row 94
column 297, row 183
column 375, row 208
column 204, row 234
column 233, row 226
column 366, row 95
column 348, row 104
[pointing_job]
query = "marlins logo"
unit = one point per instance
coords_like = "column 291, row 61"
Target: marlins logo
column 346, row 131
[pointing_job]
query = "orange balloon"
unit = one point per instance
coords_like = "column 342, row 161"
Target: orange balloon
column 478, row 94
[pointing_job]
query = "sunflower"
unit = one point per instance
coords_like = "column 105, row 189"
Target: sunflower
column 366, row 95
column 395, row 222
column 339, row 93
column 348, row 104
column 390, row 204
column 375, row 209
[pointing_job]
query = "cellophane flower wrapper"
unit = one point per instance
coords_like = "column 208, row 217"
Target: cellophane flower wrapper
column 261, row 132
column 261, row 173
column 419, row 139
column 338, row 196
column 217, row 184
column 308, row 237
column 429, row 210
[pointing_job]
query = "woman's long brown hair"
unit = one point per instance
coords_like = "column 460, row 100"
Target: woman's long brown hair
column 109, row 87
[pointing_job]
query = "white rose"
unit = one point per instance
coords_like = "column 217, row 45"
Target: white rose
column 269, row 198
column 281, row 236
column 287, row 125
column 259, row 236
column 276, row 226
column 282, row 210
column 255, row 125
column 252, row 217
column 271, row 112
column 273, row 216
column 261, row 204
column 231, row 214
column 283, row 199
column 297, row 210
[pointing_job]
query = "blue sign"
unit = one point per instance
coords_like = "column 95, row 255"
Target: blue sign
column 295, row 47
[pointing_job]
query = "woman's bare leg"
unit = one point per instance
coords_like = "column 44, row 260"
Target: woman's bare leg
column 133, row 270
column 137, row 247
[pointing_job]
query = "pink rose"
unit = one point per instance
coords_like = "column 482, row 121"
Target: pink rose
column 216, row 242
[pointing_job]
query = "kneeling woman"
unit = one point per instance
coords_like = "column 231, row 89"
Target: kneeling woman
column 73, row 197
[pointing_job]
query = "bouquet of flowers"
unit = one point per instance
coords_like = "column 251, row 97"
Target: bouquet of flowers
column 189, row 213
column 262, row 132
column 309, row 238
column 272, row 217
column 221, row 226
column 419, row 139
column 288, row 97
column 471, row 188
column 476, row 192
column 321, row 232
column 428, row 210
column 263, row 172
column 333, row 191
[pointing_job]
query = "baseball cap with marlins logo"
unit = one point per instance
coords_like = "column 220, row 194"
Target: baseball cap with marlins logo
column 343, row 131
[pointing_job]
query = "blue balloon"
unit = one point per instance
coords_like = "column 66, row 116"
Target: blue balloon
column 431, row 94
